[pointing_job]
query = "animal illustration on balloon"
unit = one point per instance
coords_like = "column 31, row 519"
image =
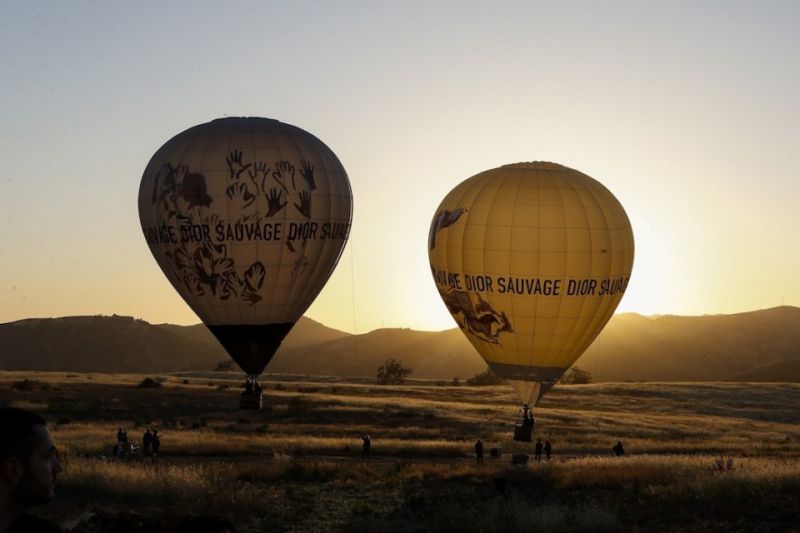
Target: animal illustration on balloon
column 441, row 220
column 247, row 218
column 479, row 318
column 537, row 245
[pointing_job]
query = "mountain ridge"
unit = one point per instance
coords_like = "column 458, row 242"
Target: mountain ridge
column 631, row 347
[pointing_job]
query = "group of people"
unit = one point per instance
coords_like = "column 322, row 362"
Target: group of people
column 618, row 450
column 537, row 450
column 527, row 416
column 252, row 386
column 30, row 465
column 151, row 443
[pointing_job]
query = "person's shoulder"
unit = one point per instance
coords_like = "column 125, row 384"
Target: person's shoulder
column 27, row 523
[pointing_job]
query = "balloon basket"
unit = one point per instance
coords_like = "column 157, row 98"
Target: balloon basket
column 250, row 400
column 523, row 432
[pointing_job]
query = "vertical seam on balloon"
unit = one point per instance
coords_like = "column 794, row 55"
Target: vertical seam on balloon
column 512, row 171
column 444, row 238
column 311, row 291
column 316, row 147
column 274, row 304
column 573, row 345
column 485, row 226
column 345, row 182
column 610, row 252
column 570, row 348
column 475, row 185
column 550, row 359
column 599, row 306
column 532, row 356
column 529, row 355
column 293, row 285
column 249, row 125
column 225, row 198
column 304, row 290
column 181, row 159
column 238, row 316
column 342, row 179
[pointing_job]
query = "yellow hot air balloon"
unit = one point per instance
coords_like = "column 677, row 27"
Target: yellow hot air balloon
column 247, row 217
column 531, row 259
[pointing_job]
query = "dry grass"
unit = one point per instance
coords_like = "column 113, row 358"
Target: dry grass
column 297, row 463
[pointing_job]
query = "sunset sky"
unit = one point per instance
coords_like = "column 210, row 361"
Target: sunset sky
column 687, row 111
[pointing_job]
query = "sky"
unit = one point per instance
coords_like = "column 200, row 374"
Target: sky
column 687, row 111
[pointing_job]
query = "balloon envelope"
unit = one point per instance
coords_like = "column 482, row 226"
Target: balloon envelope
column 531, row 260
column 247, row 217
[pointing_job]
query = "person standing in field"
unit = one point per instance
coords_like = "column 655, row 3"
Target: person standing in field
column 155, row 443
column 29, row 464
column 147, row 442
column 365, row 446
column 538, row 450
column 547, row 449
column 618, row 450
column 479, row 450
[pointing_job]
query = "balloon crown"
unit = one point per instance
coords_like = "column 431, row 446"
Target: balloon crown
column 536, row 165
column 224, row 119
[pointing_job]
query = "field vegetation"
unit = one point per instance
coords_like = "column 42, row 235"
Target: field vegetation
column 699, row 456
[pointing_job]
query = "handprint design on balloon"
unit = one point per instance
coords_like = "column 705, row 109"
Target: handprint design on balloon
column 205, row 268
column 274, row 204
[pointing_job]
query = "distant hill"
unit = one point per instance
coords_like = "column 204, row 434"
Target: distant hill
column 781, row 371
column 692, row 348
column 631, row 347
column 125, row 344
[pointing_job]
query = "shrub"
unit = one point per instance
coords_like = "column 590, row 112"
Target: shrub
column 392, row 372
column 576, row 376
column 149, row 383
column 26, row 385
column 226, row 365
column 486, row 377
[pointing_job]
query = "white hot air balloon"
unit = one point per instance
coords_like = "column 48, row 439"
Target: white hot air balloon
column 247, row 217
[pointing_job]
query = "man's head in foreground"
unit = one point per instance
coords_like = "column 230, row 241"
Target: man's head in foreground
column 29, row 462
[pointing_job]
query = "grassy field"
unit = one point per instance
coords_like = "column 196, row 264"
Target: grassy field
column 296, row 466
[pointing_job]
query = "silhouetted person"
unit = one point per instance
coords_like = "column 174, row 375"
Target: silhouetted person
column 527, row 416
column 618, row 450
column 538, row 450
column 547, row 449
column 365, row 447
column 147, row 443
column 156, row 443
column 248, row 386
column 479, row 451
column 29, row 465
column 121, row 436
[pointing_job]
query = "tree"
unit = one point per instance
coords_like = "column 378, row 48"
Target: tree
column 576, row 376
column 392, row 372
column 487, row 377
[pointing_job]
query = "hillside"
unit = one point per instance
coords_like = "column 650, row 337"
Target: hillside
column 693, row 348
column 781, row 371
column 124, row 344
column 631, row 347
